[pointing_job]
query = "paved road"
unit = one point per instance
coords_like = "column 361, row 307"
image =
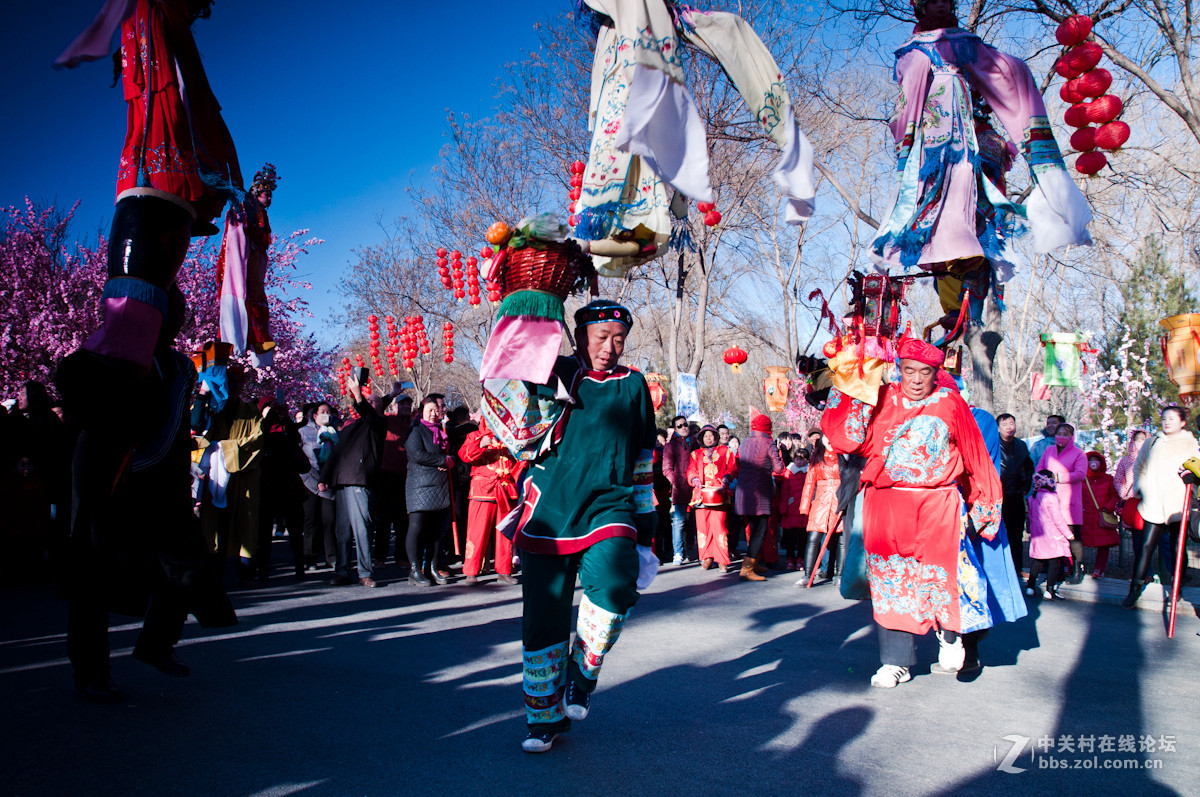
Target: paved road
column 715, row 688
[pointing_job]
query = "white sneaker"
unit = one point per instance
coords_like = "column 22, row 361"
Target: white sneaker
column 538, row 742
column 950, row 656
column 677, row 561
column 889, row 675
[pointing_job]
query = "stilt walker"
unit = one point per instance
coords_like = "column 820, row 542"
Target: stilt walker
column 242, row 270
column 178, row 169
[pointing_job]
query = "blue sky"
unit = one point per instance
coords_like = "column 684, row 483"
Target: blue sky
column 349, row 105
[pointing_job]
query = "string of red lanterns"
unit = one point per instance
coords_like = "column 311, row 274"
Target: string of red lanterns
column 576, row 170
column 1086, row 89
column 448, row 341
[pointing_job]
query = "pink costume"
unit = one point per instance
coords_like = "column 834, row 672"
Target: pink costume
column 946, row 207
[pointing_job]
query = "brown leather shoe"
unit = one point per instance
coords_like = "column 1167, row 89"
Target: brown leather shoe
column 367, row 582
column 747, row 572
column 504, row 578
column 707, row 563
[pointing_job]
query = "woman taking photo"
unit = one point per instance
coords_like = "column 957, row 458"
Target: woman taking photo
column 1156, row 480
column 427, row 490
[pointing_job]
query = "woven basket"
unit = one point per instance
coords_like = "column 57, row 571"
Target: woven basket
column 556, row 269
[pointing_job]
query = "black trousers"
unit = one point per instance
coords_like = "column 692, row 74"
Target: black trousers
column 793, row 541
column 1155, row 534
column 87, row 633
column 391, row 509
column 1053, row 568
column 1014, row 513
column 424, row 542
column 319, row 526
column 758, row 531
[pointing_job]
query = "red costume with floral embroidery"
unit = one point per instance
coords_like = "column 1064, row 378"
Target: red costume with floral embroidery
column 177, row 146
column 493, row 492
column 922, row 458
column 708, row 468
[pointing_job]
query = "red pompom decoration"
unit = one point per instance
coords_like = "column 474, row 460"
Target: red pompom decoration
column 1090, row 162
column 1083, row 57
column 712, row 218
column 1104, row 109
column 1073, row 30
column 1070, row 92
column 1112, row 135
column 704, row 207
column 1077, row 115
column 1093, row 83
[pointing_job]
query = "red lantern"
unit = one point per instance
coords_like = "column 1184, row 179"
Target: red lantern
column 1064, row 69
column 573, row 220
column 486, row 252
column 578, row 167
column 1084, row 139
column 1104, row 109
column 1073, row 30
column 712, row 218
column 1077, row 115
column 441, row 251
column 704, row 207
column 1070, row 92
column 1090, row 162
column 1112, row 135
column 1083, row 57
column 1093, row 83
column 734, row 357
column 448, row 326
column 449, row 358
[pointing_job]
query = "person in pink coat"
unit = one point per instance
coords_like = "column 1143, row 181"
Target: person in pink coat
column 1049, row 534
column 1069, row 466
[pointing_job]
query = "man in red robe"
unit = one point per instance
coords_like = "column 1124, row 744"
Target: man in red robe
column 494, row 474
column 925, row 457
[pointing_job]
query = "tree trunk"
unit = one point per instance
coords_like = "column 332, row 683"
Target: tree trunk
column 983, row 342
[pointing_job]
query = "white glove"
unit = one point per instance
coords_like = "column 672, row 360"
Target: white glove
column 647, row 567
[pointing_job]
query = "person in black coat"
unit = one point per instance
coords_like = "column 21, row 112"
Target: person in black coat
column 1016, row 477
column 350, row 473
column 427, row 491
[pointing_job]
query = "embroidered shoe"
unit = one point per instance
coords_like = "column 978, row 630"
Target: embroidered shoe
column 889, row 676
column 578, row 701
column 538, row 742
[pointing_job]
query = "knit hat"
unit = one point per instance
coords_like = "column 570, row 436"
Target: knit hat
column 761, row 423
column 1043, row 482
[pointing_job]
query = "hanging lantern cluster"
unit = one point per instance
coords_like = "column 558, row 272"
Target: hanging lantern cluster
column 448, row 341
column 412, row 340
column 373, row 345
column 576, row 170
column 493, row 287
column 735, row 357
column 393, row 345
column 712, row 216
column 343, row 371
column 472, row 280
column 1086, row 89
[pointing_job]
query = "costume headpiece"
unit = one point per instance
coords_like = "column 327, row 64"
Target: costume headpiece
column 265, row 179
column 601, row 310
column 946, row 379
column 922, row 352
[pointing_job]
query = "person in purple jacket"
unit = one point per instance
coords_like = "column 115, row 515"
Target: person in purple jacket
column 758, row 464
